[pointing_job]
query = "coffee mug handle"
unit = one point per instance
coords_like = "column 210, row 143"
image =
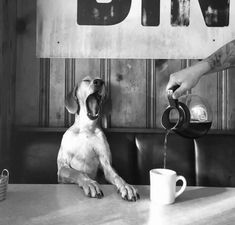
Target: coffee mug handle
column 178, row 193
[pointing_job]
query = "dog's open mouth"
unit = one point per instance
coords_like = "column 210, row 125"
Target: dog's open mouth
column 93, row 104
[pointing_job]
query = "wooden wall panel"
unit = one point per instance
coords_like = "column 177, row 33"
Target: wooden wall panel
column 162, row 74
column 128, row 93
column 7, row 78
column 210, row 88
column 1, row 83
column 87, row 67
column 69, row 84
column 44, row 94
column 207, row 88
column 230, row 103
column 57, row 93
column 136, row 87
column 27, row 69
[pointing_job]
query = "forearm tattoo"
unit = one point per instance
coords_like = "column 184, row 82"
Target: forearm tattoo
column 223, row 58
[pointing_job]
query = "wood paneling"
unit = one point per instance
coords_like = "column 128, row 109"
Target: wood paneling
column 7, row 77
column 87, row 67
column 57, row 93
column 136, row 88
column 128, row 93
column 210, row 88
column 230, row 97
column 44, row 94
column 69, row 84
column 1, row 82
column 162, row 73
column 28, row 66
column 158, row 72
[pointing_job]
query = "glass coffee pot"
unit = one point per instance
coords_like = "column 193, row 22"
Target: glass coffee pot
column 189, row 116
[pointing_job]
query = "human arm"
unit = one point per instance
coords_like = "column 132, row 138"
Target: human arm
column 188, row 78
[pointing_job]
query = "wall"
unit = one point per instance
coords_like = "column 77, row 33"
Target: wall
column 7, row 76
column 136, row 87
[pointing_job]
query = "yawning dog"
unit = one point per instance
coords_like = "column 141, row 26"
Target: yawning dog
column 84, row 147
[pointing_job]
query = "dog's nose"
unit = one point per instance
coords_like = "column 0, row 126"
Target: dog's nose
column 98, row 82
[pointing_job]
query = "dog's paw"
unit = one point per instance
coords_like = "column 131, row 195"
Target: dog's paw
column 91, row 189
column 129, row 193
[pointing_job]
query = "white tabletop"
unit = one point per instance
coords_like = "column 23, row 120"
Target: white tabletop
column 65, row 204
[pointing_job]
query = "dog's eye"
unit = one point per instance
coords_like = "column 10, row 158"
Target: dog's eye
column 87, row 80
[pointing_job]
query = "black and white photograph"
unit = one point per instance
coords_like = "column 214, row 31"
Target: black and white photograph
column 117, row 112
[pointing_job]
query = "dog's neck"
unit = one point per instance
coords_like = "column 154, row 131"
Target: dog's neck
column 83, row 122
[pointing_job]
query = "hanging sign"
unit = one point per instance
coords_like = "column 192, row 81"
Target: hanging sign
column 147, row 29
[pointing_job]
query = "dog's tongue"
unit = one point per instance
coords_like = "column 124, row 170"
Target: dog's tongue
column 92, row 106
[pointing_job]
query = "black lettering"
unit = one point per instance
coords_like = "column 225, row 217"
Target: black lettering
column 150, row 12
column 90, row 12
column 180, row 12
column 215, row 12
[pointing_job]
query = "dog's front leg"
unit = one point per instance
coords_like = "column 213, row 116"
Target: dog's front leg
column 127, row 191
column 89, row 186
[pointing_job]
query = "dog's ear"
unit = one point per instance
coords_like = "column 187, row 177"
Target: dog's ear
column 71, row 101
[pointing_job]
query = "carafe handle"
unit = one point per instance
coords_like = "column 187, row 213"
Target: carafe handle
column 173, row 102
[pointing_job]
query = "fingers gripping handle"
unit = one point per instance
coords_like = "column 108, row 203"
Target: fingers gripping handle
column 173, row 88
column 178, row 193
column 173, row 102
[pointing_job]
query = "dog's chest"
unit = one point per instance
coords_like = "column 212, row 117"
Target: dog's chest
column 81, row 150
column 82, row 144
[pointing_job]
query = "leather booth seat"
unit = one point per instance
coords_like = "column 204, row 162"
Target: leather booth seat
column 207, row 161
column 180, row 155
column 215, row 160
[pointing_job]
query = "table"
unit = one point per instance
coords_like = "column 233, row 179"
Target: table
column 34, row 204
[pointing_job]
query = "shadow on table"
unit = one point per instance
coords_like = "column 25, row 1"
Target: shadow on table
column 202, row 192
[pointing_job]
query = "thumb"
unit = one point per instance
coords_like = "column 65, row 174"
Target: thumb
column 171, row 84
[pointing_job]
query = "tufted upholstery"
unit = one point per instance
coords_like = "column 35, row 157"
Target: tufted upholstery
column 207, row 161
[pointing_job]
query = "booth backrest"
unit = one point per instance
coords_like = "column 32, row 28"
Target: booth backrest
column 215, row 160
column 180, row 155
column 207, row 161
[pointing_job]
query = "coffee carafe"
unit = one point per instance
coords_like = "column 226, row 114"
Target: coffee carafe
column 189, row 116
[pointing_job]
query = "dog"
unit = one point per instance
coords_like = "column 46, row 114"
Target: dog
column 84, row 147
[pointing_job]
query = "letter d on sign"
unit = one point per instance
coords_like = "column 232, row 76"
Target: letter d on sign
column 102, row 12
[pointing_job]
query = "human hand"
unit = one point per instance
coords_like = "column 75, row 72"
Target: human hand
column 187, row 78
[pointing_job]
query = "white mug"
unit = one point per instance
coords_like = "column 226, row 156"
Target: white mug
column 163, row 186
